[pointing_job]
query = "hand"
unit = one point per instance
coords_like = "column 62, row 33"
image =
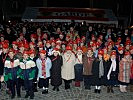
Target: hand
column 37, row 79
column 108, row 77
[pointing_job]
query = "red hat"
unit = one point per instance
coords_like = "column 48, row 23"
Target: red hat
column 79, row 49
column 53, row 41
column 41, row 46
column 120, row 48
column 98, row 44
column 21, row 34
column 83, row 37
column 33, row 36
column 113, row 53
column 20, row 45
column 5, row 46
column 100, row 52
column 110, row 43
column 43, row 51
column 89, row 48
column 67, row 36
column 31, row 43
column 26, row 52
column 6, row 41
column 63, row 42
column 127, row 53
column 1, row 35
column 26, row 46
column 68, row 48
column 119, row 38
column 93, row 44
column 128, row 42
column 15, row 42
column 78, row 40
column 56, row 50
column 99, row 39
column 31, row 51
column 70, row 42
column 48, row 41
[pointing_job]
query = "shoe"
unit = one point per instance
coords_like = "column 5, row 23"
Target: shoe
column 43, row 92
column 99, row 91
column 112, row 91
column 12, row 97
column 54, row 88
column 58, row 89
column 88, row 87
column 35, row 90
column 31, row 97
column 27, row 95
column 96, row 90
column 19, row 96
column 46, row 92
column 108, row 89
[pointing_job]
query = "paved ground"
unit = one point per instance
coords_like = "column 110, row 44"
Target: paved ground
column 74, row 94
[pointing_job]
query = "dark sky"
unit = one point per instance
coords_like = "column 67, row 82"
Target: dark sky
column 119, row 7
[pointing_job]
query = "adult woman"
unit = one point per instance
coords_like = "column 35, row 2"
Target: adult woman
column 57, row 62
column 68, row 67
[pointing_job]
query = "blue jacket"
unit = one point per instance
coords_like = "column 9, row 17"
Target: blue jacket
column 48, row 65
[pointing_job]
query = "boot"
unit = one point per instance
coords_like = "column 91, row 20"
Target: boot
column 108, row 89
column 96, row 91
column 27, row 94
column 35, row 87
column 31, row 95
column 111, row 88
column 54, row 88
column 124, row 88
column 131, row 88
column 121, row 89
column 12, row 97
column 99, row 91
column 88, row 87
column 58, row 89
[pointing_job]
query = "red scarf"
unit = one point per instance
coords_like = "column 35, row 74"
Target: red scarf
column 43, row 68
column 12, row 63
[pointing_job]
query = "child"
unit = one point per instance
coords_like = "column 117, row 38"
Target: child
column 27, row 73
column 98, row 71
column 112, row 74
column 88, row 59
column 78, row 67
column 11, row 73
column 44, row 65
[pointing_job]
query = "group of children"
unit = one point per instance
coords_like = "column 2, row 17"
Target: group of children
column 94, row 59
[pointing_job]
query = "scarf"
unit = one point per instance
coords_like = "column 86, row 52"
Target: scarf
column 43, row 68
column 112, row 68
column 101, row 68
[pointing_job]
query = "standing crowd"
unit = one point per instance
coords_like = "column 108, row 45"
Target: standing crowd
column 32, row 55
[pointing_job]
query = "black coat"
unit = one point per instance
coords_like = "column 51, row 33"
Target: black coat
column 95, row 73
column 56, row 79
column 114, row 74
column 2, row 56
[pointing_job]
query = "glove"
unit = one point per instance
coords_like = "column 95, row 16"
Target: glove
column 108, row 77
